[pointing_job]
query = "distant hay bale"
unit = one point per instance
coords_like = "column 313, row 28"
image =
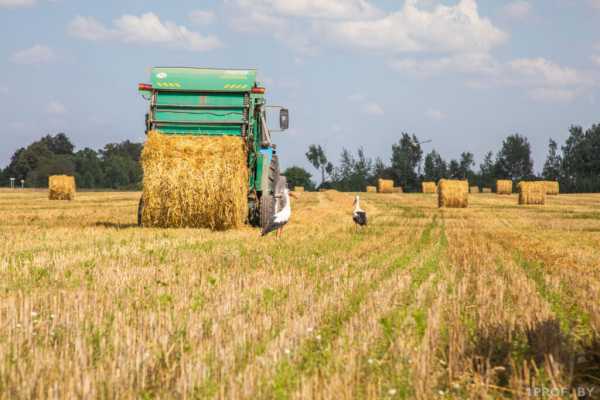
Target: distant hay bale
column 429, row 187
column 299, row 189
column 398, row 189
column 453, row 193
column 371, row 189
column 532, row 193
column 486, row 190
column 61, row 187
column 194, row 181
column 474, row 189
column 504, row 186
column 385, row 186
column 552, row 188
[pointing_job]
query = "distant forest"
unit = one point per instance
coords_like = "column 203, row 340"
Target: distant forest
column 575, row 164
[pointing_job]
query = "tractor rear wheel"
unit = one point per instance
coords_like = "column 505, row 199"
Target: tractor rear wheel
column 140, row 211
column 267, row 199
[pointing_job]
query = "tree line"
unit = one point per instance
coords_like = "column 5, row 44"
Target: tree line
column 575, row 165
column 116, row 166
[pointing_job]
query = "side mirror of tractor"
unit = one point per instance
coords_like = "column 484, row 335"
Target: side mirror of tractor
column 284, row 119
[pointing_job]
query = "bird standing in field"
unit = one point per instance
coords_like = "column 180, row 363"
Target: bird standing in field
column 281, row 217
column 359, row 216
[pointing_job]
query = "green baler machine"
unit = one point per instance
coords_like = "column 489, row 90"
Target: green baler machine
column 215, row 102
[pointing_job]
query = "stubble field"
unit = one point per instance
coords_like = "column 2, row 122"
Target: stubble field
column 494, row 301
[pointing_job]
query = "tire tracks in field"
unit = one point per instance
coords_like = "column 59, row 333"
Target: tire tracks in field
column 313, row 352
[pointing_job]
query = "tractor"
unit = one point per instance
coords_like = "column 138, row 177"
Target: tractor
column 215, row 102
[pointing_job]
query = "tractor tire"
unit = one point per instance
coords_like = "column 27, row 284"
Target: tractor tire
column 268, row 205
column 140, row 211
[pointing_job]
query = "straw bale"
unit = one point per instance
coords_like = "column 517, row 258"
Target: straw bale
column 552, row 188
column 474, row 189
column 429, row 187
column 371, row 189
column 385, row 186
column 504, row 186
column 453, row 193
column 61, row 187
column 194, row 181
column 299, row 189
column 398, row 189
column 532, row 193
column 486, row 190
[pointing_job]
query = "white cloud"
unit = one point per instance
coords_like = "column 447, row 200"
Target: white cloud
column 372, row 108
column 457, row 28
column 16, row 3
column 38, row 54
column 56, row 108
column 89, row 28
column 481, row 63
column 356, row 97
column 435, row 114
column 595, row 3
column 202, row 17
column 553, row 94
column 323, row 9
column 144, row 29
column 549, row 73
column 517, row 9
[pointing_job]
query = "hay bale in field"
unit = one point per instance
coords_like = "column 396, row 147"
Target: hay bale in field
column 194, row 181
column 504, row 186
column 61, row 187
column 429, row 187
column 453, row 193
column 385, row 186
column 398, row 189
column 552, row 188
column 532, row 193
column 486, row 190
column 298, row 189
column 371, row 189
column 474, row 189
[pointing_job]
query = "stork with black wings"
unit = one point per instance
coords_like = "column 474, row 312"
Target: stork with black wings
column 283, row 209
column 359, row 216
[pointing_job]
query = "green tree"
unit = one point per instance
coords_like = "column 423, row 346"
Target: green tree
column 487, row 170
column 316, row 156
column 354, row 173
column 465, row 164
column 297, row 176
column 552, row 166
column 435, row 167
column 88, row 167
column 514, row 159
column 406, row 157
column 581, row 160
column 454, row 169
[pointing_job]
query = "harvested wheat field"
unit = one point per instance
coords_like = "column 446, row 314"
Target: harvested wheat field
column 489, row 302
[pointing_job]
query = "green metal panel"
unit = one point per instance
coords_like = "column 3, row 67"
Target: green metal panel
column 203, row 79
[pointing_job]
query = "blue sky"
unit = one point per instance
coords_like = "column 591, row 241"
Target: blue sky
column 352, row 72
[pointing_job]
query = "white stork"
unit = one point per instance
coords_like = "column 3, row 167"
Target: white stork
column 281, row 217
column 359, row 216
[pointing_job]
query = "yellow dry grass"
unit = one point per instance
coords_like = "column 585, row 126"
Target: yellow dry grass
column 489, row 302
column 552, row 188
column 504, row 186
column 385, row 186
column 61, row 187
column 474, row 189
column 532, row 193
column 371, row 189
column 194, row 181
column 299, row 189
column 453, row 193
column 429, row 187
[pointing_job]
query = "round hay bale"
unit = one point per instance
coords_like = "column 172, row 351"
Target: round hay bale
column 453, row 193
column 299, row 189
column 398, row 189
column 385, row 186
column 552, row 188
column 474, row 189
column 429, row 187
column 486, row 190
column 194, row 181
column 61, row 187
column 533, row 193
column 504, row 186
column 371, row 189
